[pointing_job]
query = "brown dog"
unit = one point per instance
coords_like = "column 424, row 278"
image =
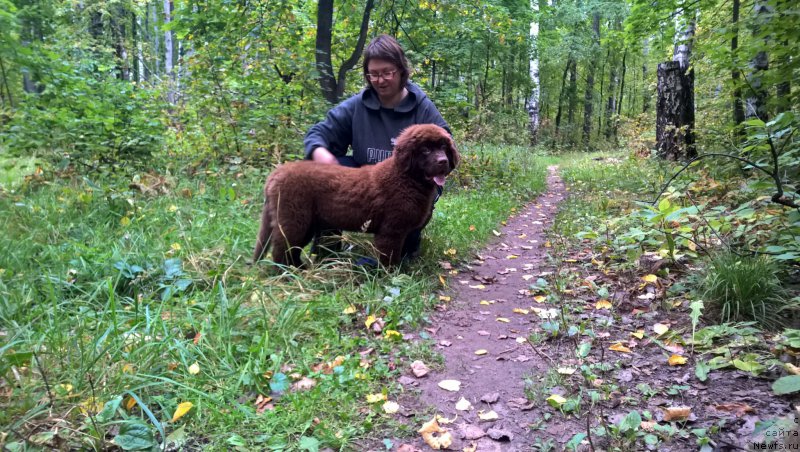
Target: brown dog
column 389, row 199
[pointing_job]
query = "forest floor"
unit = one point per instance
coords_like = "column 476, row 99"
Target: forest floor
column 537, row 365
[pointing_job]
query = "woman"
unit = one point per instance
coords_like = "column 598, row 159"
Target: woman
column 369, row 121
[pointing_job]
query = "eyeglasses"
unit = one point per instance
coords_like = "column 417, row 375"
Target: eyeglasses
column 386, row 75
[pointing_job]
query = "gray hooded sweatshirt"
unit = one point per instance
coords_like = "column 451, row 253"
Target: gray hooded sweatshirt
column 361, row 123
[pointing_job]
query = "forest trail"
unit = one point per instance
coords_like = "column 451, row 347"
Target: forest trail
column 482, row 317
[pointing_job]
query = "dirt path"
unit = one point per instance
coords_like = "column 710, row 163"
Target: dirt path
column 481, row 317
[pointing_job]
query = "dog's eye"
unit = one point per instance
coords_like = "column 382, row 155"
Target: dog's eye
column 426, row 151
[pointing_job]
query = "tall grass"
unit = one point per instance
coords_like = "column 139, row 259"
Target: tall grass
column 137, row 303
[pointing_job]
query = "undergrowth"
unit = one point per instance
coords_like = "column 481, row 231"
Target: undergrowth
column 126, row 299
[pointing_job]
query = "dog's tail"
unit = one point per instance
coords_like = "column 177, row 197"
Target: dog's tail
column 264, row 232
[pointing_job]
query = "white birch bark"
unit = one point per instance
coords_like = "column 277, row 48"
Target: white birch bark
column 168, row 54
column 533, row 103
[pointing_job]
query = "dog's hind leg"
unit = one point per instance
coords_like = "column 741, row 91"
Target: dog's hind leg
column 389, row 247
column 263, row 238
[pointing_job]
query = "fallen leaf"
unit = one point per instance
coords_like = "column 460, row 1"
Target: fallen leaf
column 483, row 333
column 791, row 368
column 556, row 401
column 463, row 405
column 478, row 286
column 481, row 352
column 194, row 369
column 496, row 233
column 451, row 252
column 618, row 347
column 502, row 319
column 392, row 335
column 650, row 278
column 391, row 407
column 512, row 256
column 539, row 298
column 660, row 328
column 648, row 426
column 351, row 310
column 676, row 360
column 639, row 334
column 182, row 409
column 444, row 298
column 434, row 435
column 737, row 409
column 375, row 398
column 370, row 320
column 521, row 340
column 566, row 370
column 603, row 304
column 450, row 385
column 304, row 384
column 419, row 369
column 471, row 448
column 488, row 416
column 678, row 413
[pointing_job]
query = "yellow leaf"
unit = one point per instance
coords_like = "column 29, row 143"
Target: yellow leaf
column 130, row 403
column 124, row 221
column 539, row 298
column 472, row 227
column 175, row 246
column 182, row 409
column 375, row 398
column 619, row 348
column 350, row 310
column 502, row 319
column 450, row 385
column 392, row 335
column 370, row 320
column 677, row 413
column 650, row 278
column 512, row 256
column 496, row 233
column 676, row 360
column 479, row 287
column 194, row 369
column 547, row 244
column 391, row 407
column 451, row 252
column 556, row 401
column 566, row 370
column 481, row 352
column 639, row 334
column 660, row 328
column 486, row 303
column 444, row 298
column 603, row 304
column 791, row 368
column 173, row 208
column 521, row 311
column 489, row 416
column 434, row 435
column 441, row 280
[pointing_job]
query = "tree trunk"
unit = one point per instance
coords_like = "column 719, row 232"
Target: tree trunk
column 533, row 102
column 611, row 106
column 756, row 102
column 168, row 53
column 333, row 87
column 588, row 97
column 572, row 100
column 622, row 85
column 156, row 39
column 738, row 105
column 675, row 112
column 784, row 88
column 5, row 83
column 645, row 91
column 561, row 93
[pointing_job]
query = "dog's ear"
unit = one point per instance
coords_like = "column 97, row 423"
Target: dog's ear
column 452, row 154
column 404, row 151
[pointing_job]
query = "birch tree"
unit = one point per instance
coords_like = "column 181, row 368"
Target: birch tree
column 533, row 104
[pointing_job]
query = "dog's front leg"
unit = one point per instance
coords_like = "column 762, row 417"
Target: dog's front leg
column 389, row 246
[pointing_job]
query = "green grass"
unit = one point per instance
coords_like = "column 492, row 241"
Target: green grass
column 111, row 296
column 13, row 171
column 744, row 288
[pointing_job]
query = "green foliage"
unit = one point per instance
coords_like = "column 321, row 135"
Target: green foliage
column 741, row 288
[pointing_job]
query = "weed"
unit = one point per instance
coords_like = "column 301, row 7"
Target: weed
column 741, row 288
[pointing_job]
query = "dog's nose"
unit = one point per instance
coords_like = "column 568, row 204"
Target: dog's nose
column 442, row 160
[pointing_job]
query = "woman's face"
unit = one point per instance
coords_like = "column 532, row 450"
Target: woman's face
column 385, row 78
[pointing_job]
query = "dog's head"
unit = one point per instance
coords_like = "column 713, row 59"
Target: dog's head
column 427, row 152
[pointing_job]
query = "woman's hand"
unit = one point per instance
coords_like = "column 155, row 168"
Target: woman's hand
column 323, row 155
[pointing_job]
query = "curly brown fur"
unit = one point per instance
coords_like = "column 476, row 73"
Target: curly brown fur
column 389, row 199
